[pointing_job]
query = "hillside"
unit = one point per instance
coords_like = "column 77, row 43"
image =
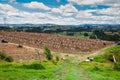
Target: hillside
column 70, row 69
column 56, row 43
column 103, row 67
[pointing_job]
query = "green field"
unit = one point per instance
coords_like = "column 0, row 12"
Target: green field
column 102, row 68
column 76, row 34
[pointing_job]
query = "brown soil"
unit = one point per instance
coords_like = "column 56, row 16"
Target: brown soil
column 19, row 54
column 56, row 43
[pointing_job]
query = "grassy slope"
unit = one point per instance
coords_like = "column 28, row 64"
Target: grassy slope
column 64, row 70
column 102, row 67
column 70, row 69
column 16, row 71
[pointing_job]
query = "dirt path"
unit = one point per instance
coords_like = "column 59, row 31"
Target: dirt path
column 32, row 48
column 71, row 70
column 80, row 57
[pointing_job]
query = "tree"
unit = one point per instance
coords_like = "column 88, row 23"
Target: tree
column 47, row 52
column 93, row 36
column 86, row 34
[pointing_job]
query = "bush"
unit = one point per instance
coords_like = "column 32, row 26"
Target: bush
column 86, row 34
column 93, row 36
column 33, row 66
column 95, row 68
column 9, row 59
column 117, row 66
column 54, row 62
column 47, row 52
column 2, row 56
column 57, row 58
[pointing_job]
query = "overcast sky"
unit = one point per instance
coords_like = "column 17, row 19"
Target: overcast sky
column 60, row 11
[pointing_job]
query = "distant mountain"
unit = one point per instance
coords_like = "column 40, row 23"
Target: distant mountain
column 50, row 25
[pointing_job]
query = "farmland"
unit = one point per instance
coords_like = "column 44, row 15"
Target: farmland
column 100, row 69
column 70, row 64
column 57, row 43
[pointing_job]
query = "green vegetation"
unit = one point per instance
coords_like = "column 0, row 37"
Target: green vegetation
column 2, row 56
column 101, row 34
column 5, row 58
column 9, row 59
column 103, row 67
column 107, row 54
column 33, row 66
column 27, row 71
column 93, row 36
column 117, row 66
column 47, row 52
column 76, row 34
column 100, row 71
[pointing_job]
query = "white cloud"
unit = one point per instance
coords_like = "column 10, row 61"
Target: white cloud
column 84, row 14
column 65, row 14
column 6, row 9
column 68, row 8
column 56, row 10
column 109, row 17
column 65, row 10
column 110, row 11
column 113, row 3
column 36, row 5
column 85, row 2
column 58, row 0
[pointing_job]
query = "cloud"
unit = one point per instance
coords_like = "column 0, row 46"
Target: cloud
column 13, row 1
column 58, row 0
column 85, row 2
column 68, row 8
column 56, row 10
column 113, row 3
column 64, row 14
column 65, row 10
column 110, row 11
column 6, row 9
column 36, row 5
column 84, row 14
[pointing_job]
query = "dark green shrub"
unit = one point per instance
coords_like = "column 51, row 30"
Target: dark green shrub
column 33, row 66
column 93, row 36
column 54, row 62
column 57, row 58
column 109, row 57
column 2, row 56
column 9, row 59
column 47, row 52
column 95, row 68
column 117, row 66
column 86, row 34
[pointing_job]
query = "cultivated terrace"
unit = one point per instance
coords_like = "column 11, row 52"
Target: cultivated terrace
column 57, row 43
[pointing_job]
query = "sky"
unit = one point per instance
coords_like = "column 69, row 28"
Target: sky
column 63, row 12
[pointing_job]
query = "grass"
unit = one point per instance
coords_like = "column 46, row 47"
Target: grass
column 71, row 69
column 75, row 34
column 102, row 68
column 107, row 54
column 64, row 70
column 24, row 71
column 100, row 71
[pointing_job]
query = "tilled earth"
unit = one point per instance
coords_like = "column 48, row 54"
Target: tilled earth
column 56, row 43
